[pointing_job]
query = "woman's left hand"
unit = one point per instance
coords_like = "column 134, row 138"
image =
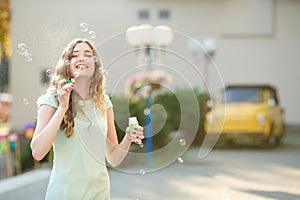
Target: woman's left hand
column 136, row 136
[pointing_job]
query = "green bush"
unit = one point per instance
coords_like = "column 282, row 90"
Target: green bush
column 176, row 110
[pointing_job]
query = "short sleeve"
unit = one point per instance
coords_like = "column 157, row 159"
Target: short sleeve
column 47, row 99
column 107, row 102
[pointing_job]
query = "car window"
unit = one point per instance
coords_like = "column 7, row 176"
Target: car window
column 272, row 98
column 252, row 95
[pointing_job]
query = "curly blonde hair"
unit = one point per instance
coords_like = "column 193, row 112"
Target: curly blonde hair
column 63, row 71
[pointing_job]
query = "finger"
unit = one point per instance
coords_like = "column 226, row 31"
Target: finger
column 139, row 128
column 137, row 141
column 61, row 83
column 140, row 137
column 139, row 133
column 68, row 87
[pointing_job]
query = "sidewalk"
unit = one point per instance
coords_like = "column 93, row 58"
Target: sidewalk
column 28, row 185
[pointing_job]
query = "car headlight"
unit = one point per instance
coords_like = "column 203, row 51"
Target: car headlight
column 210, row 119
column 261, row 119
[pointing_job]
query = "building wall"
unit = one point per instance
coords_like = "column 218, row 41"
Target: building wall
column 265, row 51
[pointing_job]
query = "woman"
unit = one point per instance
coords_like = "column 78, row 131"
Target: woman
column 76, row 117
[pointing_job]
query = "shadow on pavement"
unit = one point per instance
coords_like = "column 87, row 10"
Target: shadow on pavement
column 274, row 194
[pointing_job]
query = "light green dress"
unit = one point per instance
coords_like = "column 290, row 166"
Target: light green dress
column 79, row 170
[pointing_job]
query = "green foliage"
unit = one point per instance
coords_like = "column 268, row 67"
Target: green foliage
column 171, row 111
column 26, row 156
column 4, row 70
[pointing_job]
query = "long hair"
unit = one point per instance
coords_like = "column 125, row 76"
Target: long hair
column 63, row 71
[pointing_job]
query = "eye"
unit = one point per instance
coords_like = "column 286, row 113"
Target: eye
column 74, row 55
column 88, row 55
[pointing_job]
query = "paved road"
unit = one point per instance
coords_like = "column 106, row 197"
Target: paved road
column 228, row 172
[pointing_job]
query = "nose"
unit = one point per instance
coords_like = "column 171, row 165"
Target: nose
column 80, row 57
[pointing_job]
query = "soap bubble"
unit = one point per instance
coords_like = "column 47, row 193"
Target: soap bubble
column 182, row 142
column 95, row 59
column 147, row 111
column 225, row 196
column 28, row 57
column 84, row 27
column 105, row 72
column 142, row 172
column 81, row 103
column 67, row 62
column 49, row 72
column 26, row 102
column 92, row 34
column 87, row 59
column 22, row 48
column 180, row 160
column 76, row 74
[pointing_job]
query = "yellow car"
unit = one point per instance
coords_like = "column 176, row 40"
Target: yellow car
column 246, row 112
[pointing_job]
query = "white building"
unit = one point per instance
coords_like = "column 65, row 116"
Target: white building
column 258, row 42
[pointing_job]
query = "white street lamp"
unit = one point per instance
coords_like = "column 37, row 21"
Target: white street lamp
column 210, row 45
column 132, row 36
column 146, row 34
column 163, row 35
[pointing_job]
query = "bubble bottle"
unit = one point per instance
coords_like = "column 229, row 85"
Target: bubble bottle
column 132, row 122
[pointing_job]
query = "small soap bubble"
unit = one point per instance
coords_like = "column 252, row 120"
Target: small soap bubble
column 180, row 160
column 146, row 111
column 76, row 74
column 28, row 57
column 81, row 103
column 225, row 196
column 49, row 72
column 182, row 142
column 80, row 56
column 86, row 59
column 92, row 34
column 26, row 102
column 95, row 59
column 67, row 62
column 105, row 72
column 142, row 172
column 84, row 27
column 22, row 48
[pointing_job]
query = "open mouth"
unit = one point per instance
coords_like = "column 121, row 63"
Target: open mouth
column 81, row 67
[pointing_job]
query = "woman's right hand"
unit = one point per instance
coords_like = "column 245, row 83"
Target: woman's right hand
column 63, row 92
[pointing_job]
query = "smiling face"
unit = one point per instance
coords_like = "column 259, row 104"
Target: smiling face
column 82, row 60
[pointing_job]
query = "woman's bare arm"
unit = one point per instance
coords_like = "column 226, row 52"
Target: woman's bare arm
column 48, row 123
column 116, row 152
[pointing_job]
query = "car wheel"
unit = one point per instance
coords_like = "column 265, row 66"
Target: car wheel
column 272, row 140
column 279, row 138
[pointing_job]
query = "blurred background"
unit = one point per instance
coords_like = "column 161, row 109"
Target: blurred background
column 248, row 42
column 257, row 41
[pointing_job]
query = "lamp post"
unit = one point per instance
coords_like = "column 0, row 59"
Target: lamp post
column 210, row 47
column 148, row 36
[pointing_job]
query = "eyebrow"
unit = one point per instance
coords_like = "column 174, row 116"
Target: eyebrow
column 88, row 51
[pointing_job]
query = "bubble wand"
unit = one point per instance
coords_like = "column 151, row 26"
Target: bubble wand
column 77, row 73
